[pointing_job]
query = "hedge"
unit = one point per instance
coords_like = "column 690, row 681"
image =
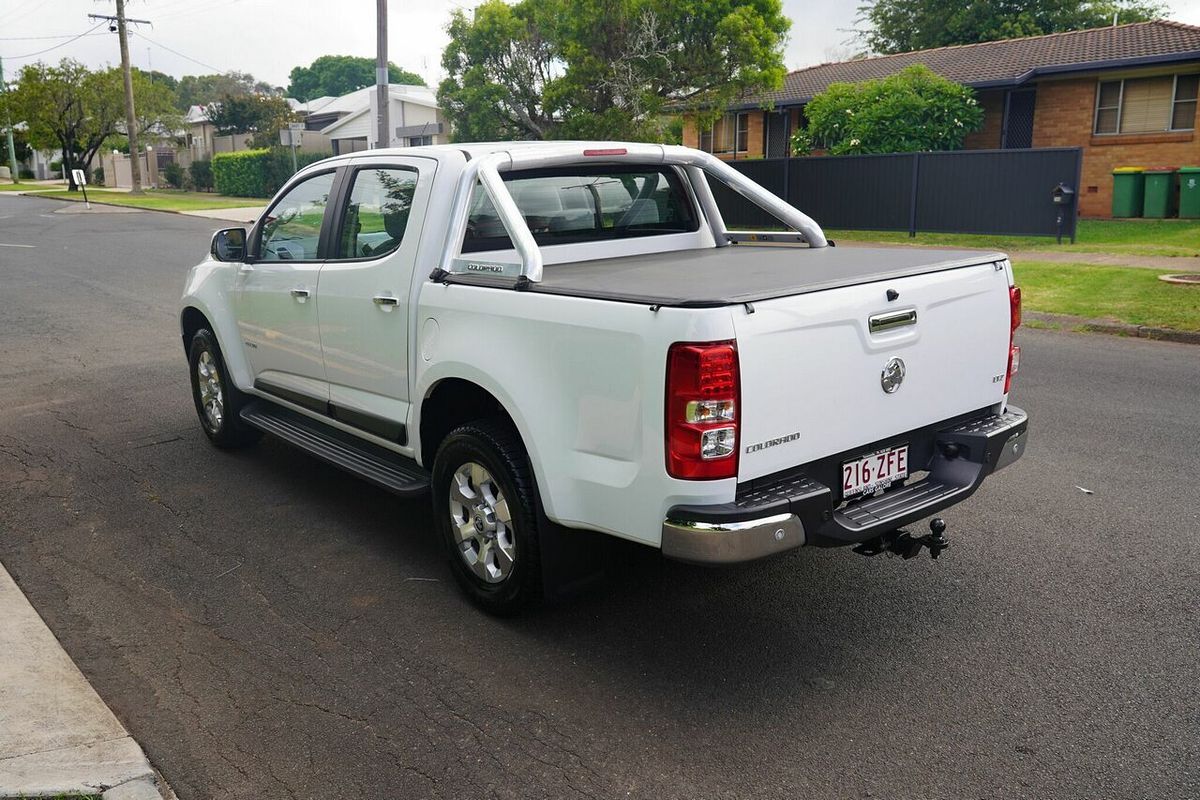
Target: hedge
column 256, row 173
column 202, row 177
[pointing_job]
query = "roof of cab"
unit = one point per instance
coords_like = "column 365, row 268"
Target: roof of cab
column 478, row 149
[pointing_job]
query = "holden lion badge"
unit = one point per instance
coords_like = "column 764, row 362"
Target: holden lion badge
column 892, row 375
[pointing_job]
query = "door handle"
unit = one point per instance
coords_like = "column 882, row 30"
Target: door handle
column 386, row 302
column 895, row 319
column 301, row 294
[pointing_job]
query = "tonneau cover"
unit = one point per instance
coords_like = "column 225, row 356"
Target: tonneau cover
column 710, row 276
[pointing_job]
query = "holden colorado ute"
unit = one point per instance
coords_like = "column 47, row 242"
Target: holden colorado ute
column 553, row 339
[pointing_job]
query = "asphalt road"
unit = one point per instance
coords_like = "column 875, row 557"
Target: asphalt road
column 268, row 627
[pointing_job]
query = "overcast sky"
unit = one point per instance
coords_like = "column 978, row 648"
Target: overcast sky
column 268, row 37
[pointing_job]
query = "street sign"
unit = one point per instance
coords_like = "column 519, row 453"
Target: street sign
column 292, row 136
column 80, row 179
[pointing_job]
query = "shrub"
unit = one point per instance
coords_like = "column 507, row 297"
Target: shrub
column 56, row 168
column 98, row 176
column 26, row 174
column 174, row 175
column 802, row 142
column 202, row 175
column 914, row 110
column 256, row 173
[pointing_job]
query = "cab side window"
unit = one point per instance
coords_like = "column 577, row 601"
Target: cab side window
column 377, row 213
column 292, row 227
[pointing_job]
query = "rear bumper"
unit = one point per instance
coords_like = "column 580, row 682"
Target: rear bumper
column 804, row 506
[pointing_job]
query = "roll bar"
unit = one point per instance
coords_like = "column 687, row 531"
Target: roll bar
column 699, row 166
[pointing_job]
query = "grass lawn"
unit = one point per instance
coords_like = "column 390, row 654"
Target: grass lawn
column 1124, row 294
column 160, row 199
column 1128, row 237
column 25, row 186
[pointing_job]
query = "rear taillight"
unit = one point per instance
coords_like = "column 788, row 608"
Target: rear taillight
column 1014, row 322
column 702, row 410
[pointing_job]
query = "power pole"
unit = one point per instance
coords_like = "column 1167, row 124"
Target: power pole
column 383, row 134
column 12, row 150
column 135, row 167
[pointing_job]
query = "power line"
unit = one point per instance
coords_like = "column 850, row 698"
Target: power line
column 55, row 47
column 186, row 12
column 31, row 38
column 21, row 14
column 181, row 55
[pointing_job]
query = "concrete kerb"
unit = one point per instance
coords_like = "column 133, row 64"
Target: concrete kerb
column 245, row 215
column 57, row 737
column 1067, row 322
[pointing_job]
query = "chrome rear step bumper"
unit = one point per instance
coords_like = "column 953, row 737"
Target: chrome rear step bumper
column 793, row 509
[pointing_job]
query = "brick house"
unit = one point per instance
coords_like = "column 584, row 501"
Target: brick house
column 1125, row 94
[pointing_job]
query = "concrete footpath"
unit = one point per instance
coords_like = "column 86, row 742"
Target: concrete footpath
column 57, row 737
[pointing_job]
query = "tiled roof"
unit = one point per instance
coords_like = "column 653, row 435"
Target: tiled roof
column 1006, row 62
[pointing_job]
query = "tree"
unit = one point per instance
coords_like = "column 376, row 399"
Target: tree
column 201, row 90
column 898, row 26
column 69, row 108
column 545, row 69
column 155, row 104
column 499, row 65
column 161, row 77
column 913, row 110
column 334, row 76
column 259, row 114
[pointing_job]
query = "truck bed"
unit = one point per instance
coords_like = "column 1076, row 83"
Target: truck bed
column 709, row 277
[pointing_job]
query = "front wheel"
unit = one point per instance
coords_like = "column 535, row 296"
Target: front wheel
column 217, row 400
column 484, row 505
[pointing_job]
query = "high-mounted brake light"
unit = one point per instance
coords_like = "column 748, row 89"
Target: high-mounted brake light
column 612, row 151
column 702, row 401
column 1014, row 322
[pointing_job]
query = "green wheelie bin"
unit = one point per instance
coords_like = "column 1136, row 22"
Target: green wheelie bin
column 1160, row 193
column 1128, row 187
column 1189, row 192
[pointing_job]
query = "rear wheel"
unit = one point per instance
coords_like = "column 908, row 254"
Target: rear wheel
column 218, row 401
column 485, row 506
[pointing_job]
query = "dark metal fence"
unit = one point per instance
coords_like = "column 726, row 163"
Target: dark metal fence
column 965, row 191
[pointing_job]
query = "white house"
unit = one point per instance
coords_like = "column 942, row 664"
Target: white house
column 349, row 121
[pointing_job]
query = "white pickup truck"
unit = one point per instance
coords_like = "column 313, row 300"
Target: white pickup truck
column 556, row 338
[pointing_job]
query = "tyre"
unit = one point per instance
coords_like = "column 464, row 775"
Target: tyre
column 218, row 401
column 485, row 508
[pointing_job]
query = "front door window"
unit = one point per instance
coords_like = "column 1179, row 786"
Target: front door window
column 292, row 228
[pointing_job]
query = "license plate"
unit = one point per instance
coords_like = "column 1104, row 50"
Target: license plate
column 874, row 472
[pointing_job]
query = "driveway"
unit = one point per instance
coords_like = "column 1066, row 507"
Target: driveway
column 268, row 627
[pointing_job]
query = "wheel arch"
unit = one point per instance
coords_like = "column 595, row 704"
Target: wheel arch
column 192, row 319
column 194, row 315
column 453, row 401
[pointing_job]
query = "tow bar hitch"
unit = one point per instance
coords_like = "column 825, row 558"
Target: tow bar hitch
column 904, row 544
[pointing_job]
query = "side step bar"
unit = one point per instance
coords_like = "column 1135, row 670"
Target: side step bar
column 385, row 469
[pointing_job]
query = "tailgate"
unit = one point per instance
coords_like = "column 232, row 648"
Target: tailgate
column 812, row 368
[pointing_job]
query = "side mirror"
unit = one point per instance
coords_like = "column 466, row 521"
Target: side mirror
column 229, row 244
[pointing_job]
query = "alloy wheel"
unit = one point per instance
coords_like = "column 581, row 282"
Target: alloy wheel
column 482, row 523
column 212, row 399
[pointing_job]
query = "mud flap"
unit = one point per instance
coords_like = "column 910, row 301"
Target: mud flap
column 572, row 560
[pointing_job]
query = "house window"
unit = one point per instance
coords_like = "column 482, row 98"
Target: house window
column 419, row 141
column 1108, row 107
column 729, row 134
column 1147, row 105
column 1183, row 115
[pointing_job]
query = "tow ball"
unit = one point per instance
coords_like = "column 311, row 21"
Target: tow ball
column 904, row 544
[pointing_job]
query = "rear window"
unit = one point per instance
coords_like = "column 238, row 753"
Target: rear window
column 570, row 205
